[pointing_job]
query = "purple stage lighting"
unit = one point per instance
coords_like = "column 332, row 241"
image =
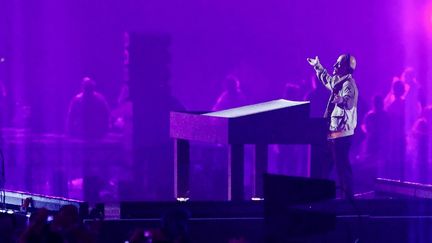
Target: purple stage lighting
column 429, row 17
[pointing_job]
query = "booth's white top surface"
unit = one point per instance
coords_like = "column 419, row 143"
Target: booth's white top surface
column 255, row 108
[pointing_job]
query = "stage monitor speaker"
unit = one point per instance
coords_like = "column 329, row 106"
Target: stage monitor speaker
column 284, row 221
column 291, row 190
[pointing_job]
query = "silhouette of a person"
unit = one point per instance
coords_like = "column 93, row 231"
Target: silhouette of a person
column 232, row 95
column 88, row 115
column 375, row 153
column 397, row 138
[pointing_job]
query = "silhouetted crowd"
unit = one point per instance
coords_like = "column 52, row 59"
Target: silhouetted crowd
column 67, row 226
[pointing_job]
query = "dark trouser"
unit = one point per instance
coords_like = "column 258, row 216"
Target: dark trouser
column 338, row 154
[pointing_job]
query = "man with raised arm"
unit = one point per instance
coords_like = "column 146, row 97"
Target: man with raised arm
column 341, row 113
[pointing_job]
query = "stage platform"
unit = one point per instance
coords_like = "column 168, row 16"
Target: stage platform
column 358, row 220
column 395, row 212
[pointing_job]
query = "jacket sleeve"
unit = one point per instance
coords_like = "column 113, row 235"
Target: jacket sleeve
column 323, row 76
column 348, row 93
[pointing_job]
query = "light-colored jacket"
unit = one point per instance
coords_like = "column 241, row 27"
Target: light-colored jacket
column 343, row 118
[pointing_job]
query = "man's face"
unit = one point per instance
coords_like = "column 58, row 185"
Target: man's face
column 340, row 67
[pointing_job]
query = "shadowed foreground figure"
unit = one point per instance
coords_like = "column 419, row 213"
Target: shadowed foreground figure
column 174, row 229
column 341, row 113
column 65, row 227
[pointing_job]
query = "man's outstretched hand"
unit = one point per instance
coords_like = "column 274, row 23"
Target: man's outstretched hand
column 313, row 62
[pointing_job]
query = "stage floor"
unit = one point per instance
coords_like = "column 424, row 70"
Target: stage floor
column 358, row 220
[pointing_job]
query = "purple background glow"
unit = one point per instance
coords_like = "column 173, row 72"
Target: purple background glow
column 53, row 44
